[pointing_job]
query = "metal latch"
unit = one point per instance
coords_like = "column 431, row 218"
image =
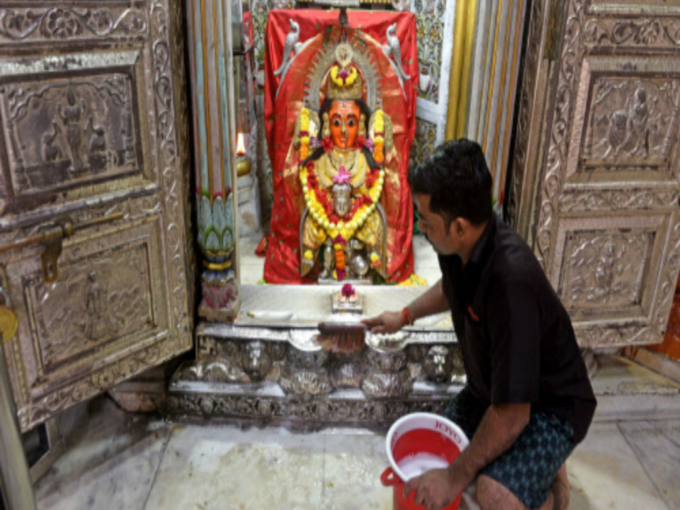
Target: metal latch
column 9, row 323
column 51, row 237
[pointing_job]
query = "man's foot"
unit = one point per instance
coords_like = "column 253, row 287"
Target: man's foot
column 561, row 489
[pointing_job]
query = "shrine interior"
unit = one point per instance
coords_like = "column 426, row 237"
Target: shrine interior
column 202, row 200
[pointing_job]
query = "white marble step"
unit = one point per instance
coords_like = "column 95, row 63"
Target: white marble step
column 118, row 461
column 628, row 391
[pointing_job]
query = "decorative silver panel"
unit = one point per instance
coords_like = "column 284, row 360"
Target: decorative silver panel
column 605, row 270
column 200, row 401
column 108, row 304
column 626, row 125
column 607, row 267
column 641, row 32
column 631, row 123
column 95, row 302
column 601, row 208
column 69, row 121
column 57, row 22
column 62, row 128
column 256, row 373
column 93, row 125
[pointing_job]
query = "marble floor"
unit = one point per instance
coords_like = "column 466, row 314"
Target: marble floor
column 252, row 266
column 120, row 461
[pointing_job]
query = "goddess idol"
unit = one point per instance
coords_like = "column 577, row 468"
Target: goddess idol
column 342, row 176
column 342, row 211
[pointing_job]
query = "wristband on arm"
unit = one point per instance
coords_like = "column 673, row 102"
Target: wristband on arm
column 406, row 317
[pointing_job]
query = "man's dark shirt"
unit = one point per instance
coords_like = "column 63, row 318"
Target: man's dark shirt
column 516, row 338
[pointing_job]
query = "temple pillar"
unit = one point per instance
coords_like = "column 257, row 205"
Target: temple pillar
column 491, row 79
column 212, row 71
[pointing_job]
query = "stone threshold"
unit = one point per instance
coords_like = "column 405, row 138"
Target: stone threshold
column 628, row 391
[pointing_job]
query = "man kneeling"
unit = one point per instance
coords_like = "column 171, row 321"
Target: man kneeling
column 528, row 400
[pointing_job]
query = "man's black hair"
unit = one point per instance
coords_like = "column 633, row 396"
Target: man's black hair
column 325, row 108
column 457, row 179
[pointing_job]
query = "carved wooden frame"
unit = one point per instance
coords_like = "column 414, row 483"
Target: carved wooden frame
column 155, row 29
column 567, row 44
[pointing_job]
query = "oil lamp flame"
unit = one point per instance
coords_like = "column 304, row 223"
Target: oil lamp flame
column 240, row 145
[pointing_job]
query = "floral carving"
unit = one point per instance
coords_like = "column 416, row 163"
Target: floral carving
column 618, row 199
column 658, row 32
column 302, row 412
column 617, row 336
column 664, row 298
column 61, row 24
column 167, row 141
column 66, row 23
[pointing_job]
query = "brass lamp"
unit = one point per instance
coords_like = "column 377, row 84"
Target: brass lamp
column 243, row 162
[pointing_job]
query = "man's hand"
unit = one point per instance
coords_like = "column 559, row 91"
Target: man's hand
column 385, row 323
column 435, row 489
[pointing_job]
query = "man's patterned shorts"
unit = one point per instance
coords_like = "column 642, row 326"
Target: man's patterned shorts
column 529, row 467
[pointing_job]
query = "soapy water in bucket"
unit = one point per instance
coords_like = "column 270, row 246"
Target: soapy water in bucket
column 417, row 443
column 416, row 465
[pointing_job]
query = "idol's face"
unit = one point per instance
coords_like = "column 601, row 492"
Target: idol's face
column 344, row 119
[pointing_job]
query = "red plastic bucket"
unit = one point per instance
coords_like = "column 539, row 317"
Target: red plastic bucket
column 415, row 444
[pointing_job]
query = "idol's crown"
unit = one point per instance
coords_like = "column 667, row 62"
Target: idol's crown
column 345, row 81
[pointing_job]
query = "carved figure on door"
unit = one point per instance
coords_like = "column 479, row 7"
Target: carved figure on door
column 97, row 157
column 70, row 116
column 618, row 133
column 99, row 322
column 632, row 121
column 51, row 150
column 639, row 118
column 604, row 273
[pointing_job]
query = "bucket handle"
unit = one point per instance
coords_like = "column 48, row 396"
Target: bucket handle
column 389, row 479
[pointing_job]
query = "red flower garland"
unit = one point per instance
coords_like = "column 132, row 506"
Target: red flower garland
column 327, row 144
column 324, row 200
column 359, row 201
column 372, row 177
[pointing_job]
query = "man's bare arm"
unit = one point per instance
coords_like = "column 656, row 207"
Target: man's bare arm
column 498, row 430
column 432, row 302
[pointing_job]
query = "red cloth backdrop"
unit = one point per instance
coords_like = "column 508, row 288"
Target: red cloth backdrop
column 282, row 264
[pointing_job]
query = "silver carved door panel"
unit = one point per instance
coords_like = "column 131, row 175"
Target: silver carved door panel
column 93, row 135
column 604, row 217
